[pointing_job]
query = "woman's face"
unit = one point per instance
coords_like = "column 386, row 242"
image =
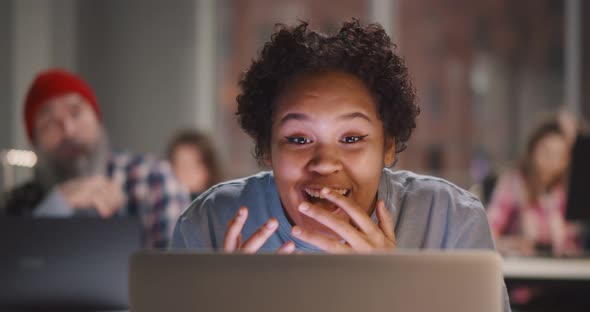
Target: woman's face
column 189, row 168
column 326, row 132
column 550, row 157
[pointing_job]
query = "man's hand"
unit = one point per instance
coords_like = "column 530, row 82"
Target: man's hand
column 96, row 192
column 233, row 235
column 366, row 236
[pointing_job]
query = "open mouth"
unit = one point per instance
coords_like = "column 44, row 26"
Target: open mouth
column 314, row 196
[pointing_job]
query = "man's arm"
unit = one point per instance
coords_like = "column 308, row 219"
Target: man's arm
column 29, row 199
column 53, row 206
column 95, row 194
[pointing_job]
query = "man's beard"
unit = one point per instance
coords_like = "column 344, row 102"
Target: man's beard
column 72, row 160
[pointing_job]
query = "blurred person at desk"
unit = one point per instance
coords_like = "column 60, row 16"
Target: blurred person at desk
column 527, row 209
column 79, row 174
column 194, row 161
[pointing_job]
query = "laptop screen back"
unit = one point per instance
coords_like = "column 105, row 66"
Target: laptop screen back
column 421, row 281
column 75, row 263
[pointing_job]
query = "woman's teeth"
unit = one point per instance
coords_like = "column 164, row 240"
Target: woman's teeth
column 317, row 193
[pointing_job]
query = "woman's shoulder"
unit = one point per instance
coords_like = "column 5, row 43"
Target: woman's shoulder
column 226, row 197
column 411, row 182
column 440, row 212
column 425, row 190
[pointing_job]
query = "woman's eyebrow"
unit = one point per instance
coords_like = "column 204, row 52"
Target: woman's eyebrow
column 355, row 115
column 300, row 116
column 293, row 116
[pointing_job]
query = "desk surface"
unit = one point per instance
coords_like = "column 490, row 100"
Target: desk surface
column 547, row 268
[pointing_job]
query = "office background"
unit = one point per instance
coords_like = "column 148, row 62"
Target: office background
column 484, row 70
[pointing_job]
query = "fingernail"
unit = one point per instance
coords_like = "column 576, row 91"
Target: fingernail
column 271, row 224
column 296, row 231
column 303, row 207
column 325, row 191
column 241, row 212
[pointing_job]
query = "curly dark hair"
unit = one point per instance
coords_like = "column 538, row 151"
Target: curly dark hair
column 365, row 52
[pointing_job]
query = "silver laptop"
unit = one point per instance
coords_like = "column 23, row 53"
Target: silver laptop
column 420, row 281
column 66, row 264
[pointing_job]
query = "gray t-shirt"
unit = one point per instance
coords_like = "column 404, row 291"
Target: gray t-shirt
column 428, row 212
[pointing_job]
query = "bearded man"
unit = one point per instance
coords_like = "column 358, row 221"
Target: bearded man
column 78, row 174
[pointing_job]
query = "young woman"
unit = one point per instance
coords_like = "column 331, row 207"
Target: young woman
column 527, row 210
column 194, row 161
column 329, row 114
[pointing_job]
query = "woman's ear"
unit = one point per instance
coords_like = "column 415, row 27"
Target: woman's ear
column 389, row 156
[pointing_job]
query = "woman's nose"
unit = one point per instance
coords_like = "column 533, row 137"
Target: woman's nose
column 325, row 161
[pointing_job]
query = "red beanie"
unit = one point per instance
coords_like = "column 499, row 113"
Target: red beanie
column 52, row 83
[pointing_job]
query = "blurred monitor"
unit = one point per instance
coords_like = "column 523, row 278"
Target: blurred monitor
column 66, row 264
column 578, row 198
column 401, row 281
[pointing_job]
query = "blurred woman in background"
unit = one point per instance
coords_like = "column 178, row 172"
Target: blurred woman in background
column 527, row 209
column 194, row 161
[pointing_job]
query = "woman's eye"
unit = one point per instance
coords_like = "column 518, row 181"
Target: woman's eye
column 353, row 139
column 298, row 140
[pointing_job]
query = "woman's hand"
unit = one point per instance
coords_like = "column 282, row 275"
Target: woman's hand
column 365, row 237
column 233, row 235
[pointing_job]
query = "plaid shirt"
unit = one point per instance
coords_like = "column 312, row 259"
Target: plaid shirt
column 511, row 213
column 151, row 191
